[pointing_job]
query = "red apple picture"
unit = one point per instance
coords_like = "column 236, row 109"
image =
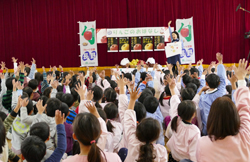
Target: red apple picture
column 114, row 47
column 104, row 39
column 169, row 39
column 137, row 47
column 184, row 32
column 88, row 35
column 160, row 46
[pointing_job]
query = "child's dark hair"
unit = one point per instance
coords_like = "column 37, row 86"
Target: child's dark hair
column 186, row 110
column 2, row 136
column 53, row 104
column 187, row 94
column 134, row 71
column 111, row 111
column 33, row 148
column 186, row 71
column 74, row 94
column 228, row 95
column 98, row 94
column 27, row 70
column 8, row 83
column 45, row 99
column 140, row 111
column 194, row 70
column 128, row 76
column 213, row 80
column 186, row 79
column 192, row 86
column 38, row 77
column 229, row 89
column 2, row 115
column 40, row 130
column 177, row 34
column 28, row 90
column 59, row 95
column 82, row 72
column 68, row 99
column 86, row 128
column 33, row 84
column 110, row 95
column 113, row 84
column 102, row 114
column 107, row 78
column 94, row 77
column 145, row 93
column 166, row 92
column 64, row 109
column 152, row 90
column 57, row 74
column 76, row 148
column 29, row 106
column 151, row 104
column 47, row 92
column 196, row 82
column 142, row 78
column 147, row 132
column 59, row 88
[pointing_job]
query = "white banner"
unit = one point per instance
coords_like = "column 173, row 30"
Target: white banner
column 185, row 29
column 88, row 46
column 134, row 32
column 173, row 49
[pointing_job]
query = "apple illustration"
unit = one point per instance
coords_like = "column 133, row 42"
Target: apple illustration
column 104, row 39
column 88, row 35
column 160, row 46
column 169, row 39
column 114, row 47
column 137, row 47
column 184, row 32
column 125, row 47
column 149, row 46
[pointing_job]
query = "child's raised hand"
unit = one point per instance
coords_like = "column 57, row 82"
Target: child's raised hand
column 233, row 79
column 79, row 89
column 148, row 78
column 14, row 85
column 1, row 75
column 40, row 107
column 82, row 78
column 169, row 23
column 19, row 85
column 60, row 67
column 25, row 102
column 14, row 60
column 90, row 95
column 54, row 84
column 134, row 94
column 219, row 57
column 18, row 106
column 121, row 81
column 54, row 68
column 33, row 61
column 92, row 109
column 2, row 65
column 59, row 117
column 242, row 69
column 22, row 67
column 171, row 82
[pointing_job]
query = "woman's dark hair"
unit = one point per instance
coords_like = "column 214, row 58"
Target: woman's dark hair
column 86, row 128
column 98, row 94
column 110, row 96
column 147, row 132
column 186, row 110
column 111, row 111
column 177, row 34
column 223, row 119
column 187, row 94
column 166, row 92
column 2, row 136
column 47, row 92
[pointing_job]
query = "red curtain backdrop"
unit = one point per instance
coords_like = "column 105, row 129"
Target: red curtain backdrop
column 47, row 29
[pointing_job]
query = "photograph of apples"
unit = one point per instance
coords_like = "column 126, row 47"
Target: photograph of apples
column 147, row 44
column 124, row 44
column 101, row 35
column 159, row 44
column 112, row 44
column 136, row 44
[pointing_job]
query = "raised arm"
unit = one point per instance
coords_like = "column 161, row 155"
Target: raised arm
column 32, row 69
column 170, row 31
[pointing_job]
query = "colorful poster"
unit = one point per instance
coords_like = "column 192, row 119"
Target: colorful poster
column 101, row 35
column 124, row 44
column 147, row 44
column 185, row 29
column 159, row 44
column 136, row 44
column 112, row 44
column 133, row 32
column 173, row 49
column 88, row 46
column 167, row 34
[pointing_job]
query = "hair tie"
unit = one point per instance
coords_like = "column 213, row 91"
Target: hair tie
column 93, row 141
column 178, row 115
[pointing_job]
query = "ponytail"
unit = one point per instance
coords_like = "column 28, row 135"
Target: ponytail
column 161, row 98
column 110, row 126
column 97, row 105
column 174, row 123
column 94, row 154
column 146, row 153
